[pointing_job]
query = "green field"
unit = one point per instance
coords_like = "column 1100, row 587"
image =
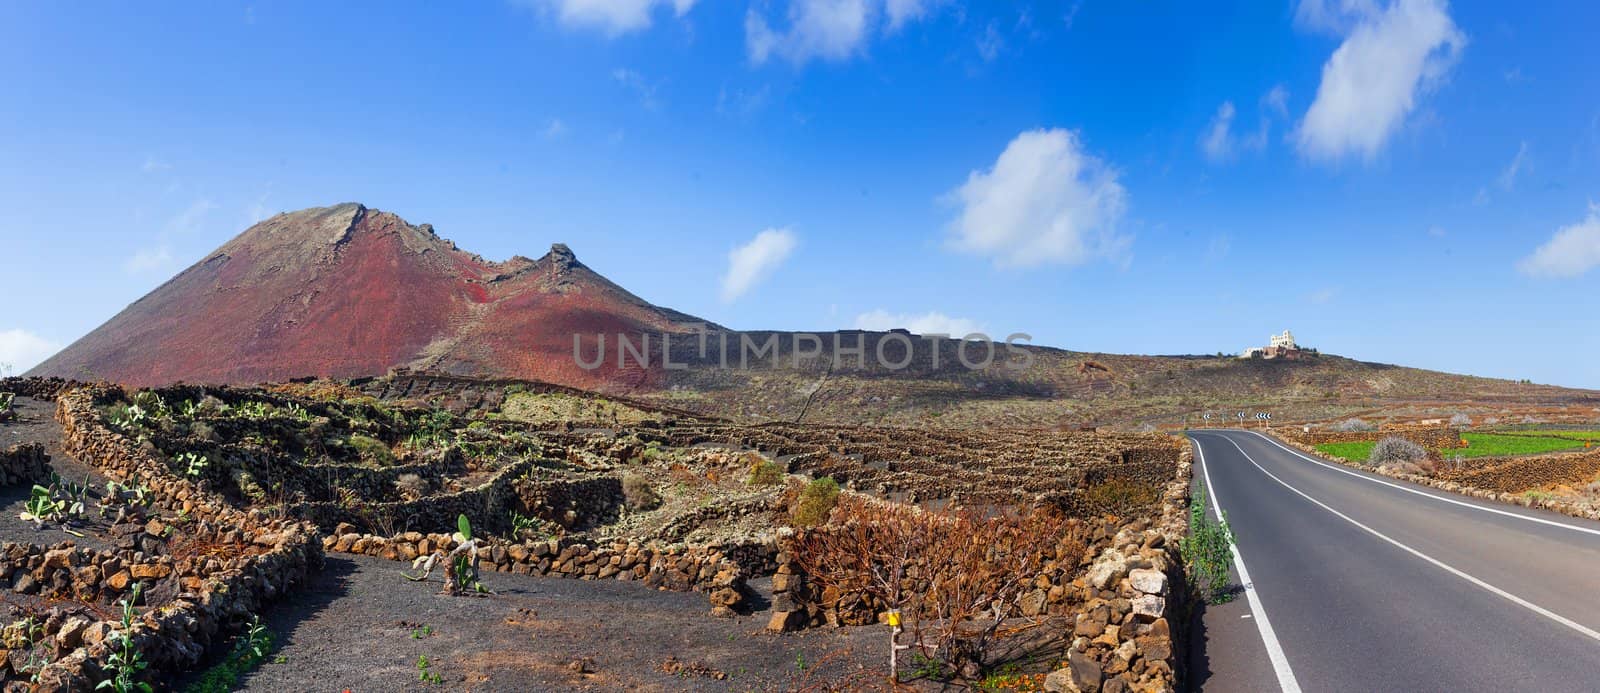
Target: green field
column 1480, row 445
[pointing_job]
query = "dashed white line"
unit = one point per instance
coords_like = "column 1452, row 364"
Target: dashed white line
column 1519, row 601
column 1442, row 499
column 1280, row 661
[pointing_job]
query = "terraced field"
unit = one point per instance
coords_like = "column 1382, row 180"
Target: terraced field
column 216, row 484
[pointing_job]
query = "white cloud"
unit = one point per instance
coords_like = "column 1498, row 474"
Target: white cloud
column 927, row 323
column 1573, row 250
column 1437, row 231
column 1276, row 100
column 990, row 43
column 188, row 220
column 832, row 30
column 750, row 263
column 1044, row 201
column 157, row 256
column 635, row 82
column 1373, row 80
column 21, row 350
column 826, row 29
column 553, row 129
column 1333, row 16
column 1221, row 143
column 1218, row 142
column 901, row 12
column 612, row 17
column 149, row 260
column 1508, row 177
column 154, row 165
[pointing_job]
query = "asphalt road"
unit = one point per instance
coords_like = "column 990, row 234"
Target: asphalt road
column 1362, row 583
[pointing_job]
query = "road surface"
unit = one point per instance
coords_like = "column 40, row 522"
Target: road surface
column 1358, row 582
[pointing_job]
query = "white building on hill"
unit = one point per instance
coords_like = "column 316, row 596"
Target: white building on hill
column 1278, row 346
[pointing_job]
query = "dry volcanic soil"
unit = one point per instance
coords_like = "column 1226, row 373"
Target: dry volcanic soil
column 476, row 535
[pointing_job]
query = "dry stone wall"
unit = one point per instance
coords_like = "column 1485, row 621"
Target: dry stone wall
column 25, row 463
column 1432, row 438
column 1125, row 597
column 203, row 577
column 678, row 569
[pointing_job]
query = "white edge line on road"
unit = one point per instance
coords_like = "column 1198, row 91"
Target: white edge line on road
column 1280, row 661
column 1519, row 601
column 1425, row 494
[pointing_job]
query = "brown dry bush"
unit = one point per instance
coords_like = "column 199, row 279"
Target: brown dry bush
column 638, row 494
column 956, row 575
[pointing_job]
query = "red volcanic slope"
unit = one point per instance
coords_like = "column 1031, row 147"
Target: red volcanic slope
column 346, row 291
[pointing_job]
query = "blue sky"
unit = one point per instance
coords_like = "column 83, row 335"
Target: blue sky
column 1408, row 182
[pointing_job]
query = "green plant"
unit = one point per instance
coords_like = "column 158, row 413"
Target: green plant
column 193, row 465
column 815, row 501
column 372, row 450
column 461, row 564
column 925, row 667
column 126, row 661
column 1207, row 550
column 421, row 632
column 59, row 503
column 250, row 649
column 766, row 473
column 425, row 672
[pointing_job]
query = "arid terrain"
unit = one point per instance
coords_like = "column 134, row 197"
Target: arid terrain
column 605, row 545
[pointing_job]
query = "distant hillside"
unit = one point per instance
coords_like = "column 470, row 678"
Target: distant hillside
column 347, row 291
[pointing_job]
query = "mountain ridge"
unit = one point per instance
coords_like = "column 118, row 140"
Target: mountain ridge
column 347, row 291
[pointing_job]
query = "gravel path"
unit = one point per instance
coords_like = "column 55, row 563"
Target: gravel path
column 354, row 630
column 36, row 423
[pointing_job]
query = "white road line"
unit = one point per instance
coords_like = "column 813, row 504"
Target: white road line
column 1280, row 661
column 1425, row 494
column 1519, row 601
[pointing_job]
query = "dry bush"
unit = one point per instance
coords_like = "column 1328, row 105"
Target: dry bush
column 816, row 500
column 1460, row 420
column 411, row 486
column 1353, row 425
column 1397, row 451
column 638, row 495
column 1120, row 496
column 956, row 576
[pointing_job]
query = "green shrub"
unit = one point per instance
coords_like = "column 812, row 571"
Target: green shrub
column 766, row 473
column 1206, row 551
column 372, row 450
column 816, row 500
column 638, row 495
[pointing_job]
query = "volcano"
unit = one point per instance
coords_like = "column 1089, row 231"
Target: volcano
column 346, row 291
